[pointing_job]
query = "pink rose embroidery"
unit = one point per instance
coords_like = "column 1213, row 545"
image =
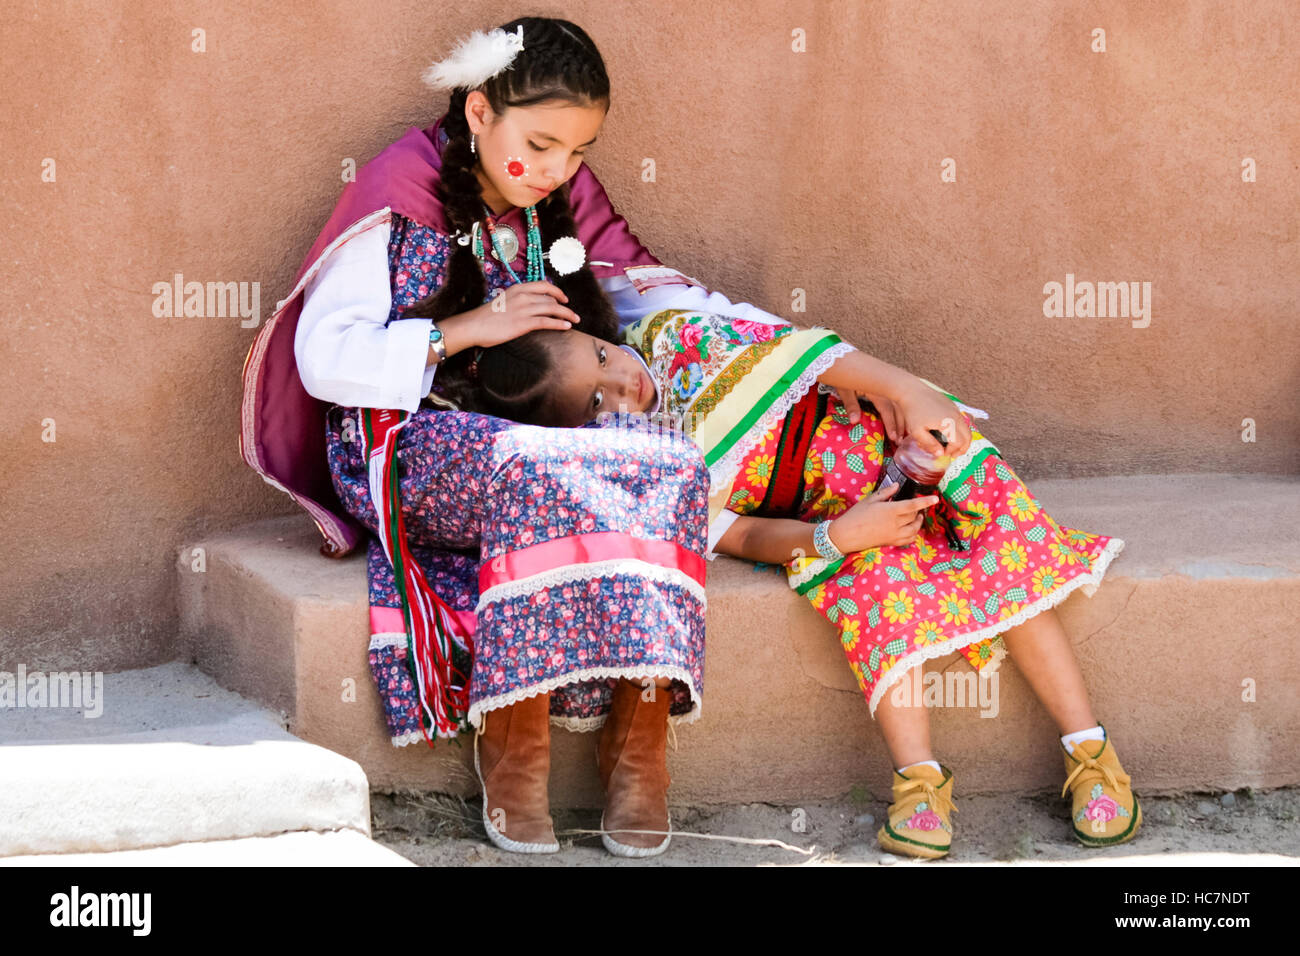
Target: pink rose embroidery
column 1101, row 808
column 753, row 331
column 690, row 339
column 925, row 820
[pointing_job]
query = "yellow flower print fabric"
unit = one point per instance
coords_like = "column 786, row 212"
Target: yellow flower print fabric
column 895, row 607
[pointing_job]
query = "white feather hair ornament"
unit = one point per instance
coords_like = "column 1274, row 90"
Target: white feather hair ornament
column 475, row 60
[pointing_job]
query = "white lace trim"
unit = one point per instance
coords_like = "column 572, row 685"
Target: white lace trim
column 579, row 725
column 389, row 639
column 479, row 708
column 583, row 572
column 964, row 459
column 1089, row 582
column 816, row 565
column 386, row 639
column 724, row 471
column 582, row 725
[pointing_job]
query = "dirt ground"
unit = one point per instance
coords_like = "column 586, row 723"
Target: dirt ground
column 1245, row 827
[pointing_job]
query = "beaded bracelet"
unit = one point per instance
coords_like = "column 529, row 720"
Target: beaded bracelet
column 822, row 541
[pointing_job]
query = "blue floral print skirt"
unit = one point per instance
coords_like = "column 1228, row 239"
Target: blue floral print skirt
column 575, row 554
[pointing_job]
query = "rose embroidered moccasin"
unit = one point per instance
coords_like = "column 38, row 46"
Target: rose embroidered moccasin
column 1105, row 810
column 918, row 823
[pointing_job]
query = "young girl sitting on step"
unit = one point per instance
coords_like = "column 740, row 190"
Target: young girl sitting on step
column 796, row 479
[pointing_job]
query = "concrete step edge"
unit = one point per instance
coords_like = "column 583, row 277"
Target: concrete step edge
column 344, row 847
column 145, row 777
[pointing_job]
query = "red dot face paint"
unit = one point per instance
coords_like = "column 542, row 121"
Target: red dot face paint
column 515, row 168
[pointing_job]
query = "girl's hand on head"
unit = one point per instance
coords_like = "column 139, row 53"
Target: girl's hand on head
column 877, row 522
column 520, row 309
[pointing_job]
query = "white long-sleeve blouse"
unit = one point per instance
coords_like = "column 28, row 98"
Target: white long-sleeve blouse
column 347, row 355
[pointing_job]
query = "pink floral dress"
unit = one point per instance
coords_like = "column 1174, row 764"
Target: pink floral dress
column 895, row 607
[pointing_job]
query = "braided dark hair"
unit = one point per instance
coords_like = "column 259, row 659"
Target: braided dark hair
column 559, row 62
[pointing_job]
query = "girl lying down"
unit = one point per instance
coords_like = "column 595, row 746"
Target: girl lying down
column 796, row 480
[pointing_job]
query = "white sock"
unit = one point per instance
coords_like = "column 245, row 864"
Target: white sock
column 923, row 763
column 1092, row 733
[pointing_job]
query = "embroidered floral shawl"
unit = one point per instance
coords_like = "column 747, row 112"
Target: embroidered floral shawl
column 727, row 382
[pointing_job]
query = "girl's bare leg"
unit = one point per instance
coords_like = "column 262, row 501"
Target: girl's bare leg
column 906, row 729
column 1043, row 653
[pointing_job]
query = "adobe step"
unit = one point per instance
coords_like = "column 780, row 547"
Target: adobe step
column 1201, row 606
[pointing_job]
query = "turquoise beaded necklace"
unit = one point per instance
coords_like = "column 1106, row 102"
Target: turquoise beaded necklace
column 536, row 268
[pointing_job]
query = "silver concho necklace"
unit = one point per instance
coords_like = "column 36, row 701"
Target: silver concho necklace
column 509, row 242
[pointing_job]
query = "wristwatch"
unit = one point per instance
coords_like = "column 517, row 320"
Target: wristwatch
column 437, row 343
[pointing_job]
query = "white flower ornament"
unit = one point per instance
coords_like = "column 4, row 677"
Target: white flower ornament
column 567, row 255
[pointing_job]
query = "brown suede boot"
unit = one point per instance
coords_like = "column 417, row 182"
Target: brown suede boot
column 512, row 756
column 632, row 756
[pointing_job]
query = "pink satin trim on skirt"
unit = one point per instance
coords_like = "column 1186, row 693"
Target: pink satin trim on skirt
column 588, row 549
